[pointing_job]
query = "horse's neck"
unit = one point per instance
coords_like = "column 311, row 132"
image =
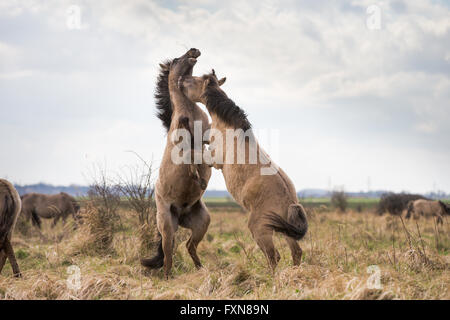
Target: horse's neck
column 181, row 105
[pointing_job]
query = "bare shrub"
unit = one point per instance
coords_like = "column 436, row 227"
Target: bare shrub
column 99, row 229
column 101, row 219
column 339, row 200
column 136, row 185
column 104, row 193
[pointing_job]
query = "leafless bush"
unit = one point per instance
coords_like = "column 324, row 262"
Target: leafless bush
column 104, row 193
column 136, row 185
column 101, row 218
column 99, row 229
column 339, row 200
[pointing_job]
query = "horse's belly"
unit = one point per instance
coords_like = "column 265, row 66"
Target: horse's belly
column 182, row 193
column 47, row 212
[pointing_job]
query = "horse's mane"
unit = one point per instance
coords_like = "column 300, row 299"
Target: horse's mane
column 218, row 103
column 162, row 96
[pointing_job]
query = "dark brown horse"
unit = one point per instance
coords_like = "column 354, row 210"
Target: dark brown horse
column 58, row 206
column 10, row 205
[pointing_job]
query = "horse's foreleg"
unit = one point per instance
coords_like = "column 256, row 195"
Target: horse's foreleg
column 36, row 220
column 197, row 220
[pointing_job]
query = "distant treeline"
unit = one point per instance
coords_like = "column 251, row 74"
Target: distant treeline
column 79, row 191
column 73, row 190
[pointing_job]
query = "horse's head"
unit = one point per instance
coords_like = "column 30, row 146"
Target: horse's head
column 195, row 87
column 183, row 65
column 445, row 208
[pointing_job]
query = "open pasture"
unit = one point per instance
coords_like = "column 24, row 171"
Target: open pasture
column 352, row 255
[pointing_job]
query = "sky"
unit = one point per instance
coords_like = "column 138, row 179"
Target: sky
column 356, row 93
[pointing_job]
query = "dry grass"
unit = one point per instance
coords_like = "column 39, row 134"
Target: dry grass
column 413, row 260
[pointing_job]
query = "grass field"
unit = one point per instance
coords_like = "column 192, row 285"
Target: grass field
column 353, row 255
column 353, row 203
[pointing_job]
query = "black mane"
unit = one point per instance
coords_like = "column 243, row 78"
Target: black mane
column 162, row 96
column 219, row 104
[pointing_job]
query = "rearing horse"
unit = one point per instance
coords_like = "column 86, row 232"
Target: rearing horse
column 260, row 187
column 177, row 195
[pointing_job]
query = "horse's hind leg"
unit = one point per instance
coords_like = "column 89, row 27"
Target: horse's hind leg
column 263, row 236
column 198, row 221
column 167, row 224
column 12, row 258
column 2, row 259
column 55, row 221
column 296, row 251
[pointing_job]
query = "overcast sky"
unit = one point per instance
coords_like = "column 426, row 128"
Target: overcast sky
column 351, row 103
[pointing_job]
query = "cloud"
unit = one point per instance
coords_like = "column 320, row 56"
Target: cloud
column 309, row 60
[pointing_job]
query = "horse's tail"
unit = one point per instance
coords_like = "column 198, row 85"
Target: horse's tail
column 296, row 225
column 8, row 208
column 157, row 261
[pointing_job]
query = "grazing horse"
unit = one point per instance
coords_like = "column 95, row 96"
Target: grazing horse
column 10, row 206
column 261, row 187
column 36, row 206
column 427, row 208
column 177, row 194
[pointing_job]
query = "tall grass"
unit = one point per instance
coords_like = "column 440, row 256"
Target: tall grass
column 340, row 254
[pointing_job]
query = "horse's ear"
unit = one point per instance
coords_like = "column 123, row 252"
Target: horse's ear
column 222, row 81
column 163, row 67
column 214, row 73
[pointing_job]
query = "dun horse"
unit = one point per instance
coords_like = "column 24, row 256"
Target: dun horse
column 427, row 208
column 10, row 206
column 271, row 199
column 58, row 206
column 177, row 195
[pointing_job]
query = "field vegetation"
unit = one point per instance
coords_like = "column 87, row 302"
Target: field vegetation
column 357, row 254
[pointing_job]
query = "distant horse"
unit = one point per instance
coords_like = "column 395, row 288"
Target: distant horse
column 36, row 206
column 427, row 208
column 10, row 206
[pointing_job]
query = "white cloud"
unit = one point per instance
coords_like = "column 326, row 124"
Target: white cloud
column 317, row 59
